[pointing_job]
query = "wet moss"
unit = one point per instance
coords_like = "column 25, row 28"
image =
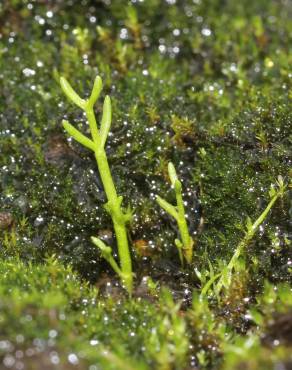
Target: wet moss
column 205, row 84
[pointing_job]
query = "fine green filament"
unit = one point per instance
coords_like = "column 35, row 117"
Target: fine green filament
column 114, row 202
column 185, row 245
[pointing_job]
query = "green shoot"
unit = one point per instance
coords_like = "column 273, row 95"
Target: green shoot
column 207, row 278
column 114, row 202
column 251, row 229
column 185, row 245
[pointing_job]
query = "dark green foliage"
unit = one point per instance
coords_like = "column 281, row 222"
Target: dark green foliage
column 204, row 84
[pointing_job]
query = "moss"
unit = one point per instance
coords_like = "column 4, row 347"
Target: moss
column 203, row 84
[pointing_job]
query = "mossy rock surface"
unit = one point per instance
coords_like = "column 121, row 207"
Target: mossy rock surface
column 204, row 84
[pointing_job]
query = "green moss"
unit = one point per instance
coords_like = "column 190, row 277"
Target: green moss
column 203, row 84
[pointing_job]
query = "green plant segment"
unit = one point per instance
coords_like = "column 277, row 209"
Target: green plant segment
column 185, row 245
column 251, row 229
column 114, row 203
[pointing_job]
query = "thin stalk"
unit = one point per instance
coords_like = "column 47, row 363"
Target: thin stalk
column 118, row 217
column 93, row 126
column 185, row 246
column 252, row 229
column 183, row 229
column 124, row 255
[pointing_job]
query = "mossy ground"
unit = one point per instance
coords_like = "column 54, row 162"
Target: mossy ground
column 205, row 84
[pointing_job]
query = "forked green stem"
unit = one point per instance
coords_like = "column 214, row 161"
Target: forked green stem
column 185, row 245
column 114, row 202
column 226, row 275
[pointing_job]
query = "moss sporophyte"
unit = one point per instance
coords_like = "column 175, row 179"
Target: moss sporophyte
column 113, row 206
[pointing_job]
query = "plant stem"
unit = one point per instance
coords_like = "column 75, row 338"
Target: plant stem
column 118, row 217
column 183, row 229
column 113, row 205
column 245, row 241
column 185, row 246
column 114, row 202
column 124, row 255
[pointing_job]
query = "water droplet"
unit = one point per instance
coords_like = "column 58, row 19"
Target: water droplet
column 73, row 359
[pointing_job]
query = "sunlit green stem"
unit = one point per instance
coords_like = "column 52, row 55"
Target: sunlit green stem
column 185, row 246
column 113, row 207
column 114, row 203
column 187, row 241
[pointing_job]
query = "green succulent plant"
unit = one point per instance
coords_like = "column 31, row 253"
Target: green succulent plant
column 113, row 206
column 185, row 245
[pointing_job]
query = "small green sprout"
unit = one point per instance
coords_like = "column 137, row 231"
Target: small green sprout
column 113, row 206
column 185, row 245
column 251, row 229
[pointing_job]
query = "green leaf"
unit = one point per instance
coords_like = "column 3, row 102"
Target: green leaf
column 106, row 251
column 272, row 191
column 78, row 136
column 106, row 120
column 128, row 215
column 256, row 316
column 209, row 283
column 107, row 254
column 211, row 269
column 172, row 173
column 199, row 274
column 71, row 94
column 177, row 186
column 248, row 224
column 178, row 243
column 95, row 91
column 170, row 209
column 179, row 246
column 280, row 181
column 224, row 280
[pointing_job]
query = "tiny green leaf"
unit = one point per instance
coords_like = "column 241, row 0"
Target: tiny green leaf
column 107, row 254
column 280, row 181
column 272, row 191
column 177, row 186
column 225, row 277
column 179, row 246
column 199, row 274
column 249, row 224
column 106, row 120
column 78, row 136
column 71, row 94
column 172, row 173
column 209, row 283
column 95, row 91
column 106, row 251
column 128, row 215
column 256, row 316
column 167, row 207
